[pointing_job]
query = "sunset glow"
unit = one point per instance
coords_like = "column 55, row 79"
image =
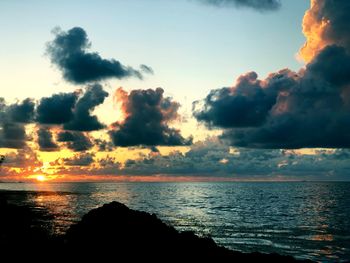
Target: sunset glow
column 227, row 118
column 40, row 178
column 140, row 112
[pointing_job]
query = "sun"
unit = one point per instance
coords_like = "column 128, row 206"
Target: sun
column 41, row 178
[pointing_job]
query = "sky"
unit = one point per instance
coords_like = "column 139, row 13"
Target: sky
column 162, row 90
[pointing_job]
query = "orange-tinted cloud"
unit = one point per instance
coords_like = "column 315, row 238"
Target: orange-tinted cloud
column 147, row 115
column 313, row 28
column 325, row 23
column 120, row 99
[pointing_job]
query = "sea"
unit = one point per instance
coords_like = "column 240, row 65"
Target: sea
column 307, row 220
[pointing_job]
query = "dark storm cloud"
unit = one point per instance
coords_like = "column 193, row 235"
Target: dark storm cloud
column 82, row 119
column 57, row 109
column 245, row 105
column 12, row 135
column 69, row 52
column 309, row 108
column 73, row 110
column 332, row 65
column 286, row 109
column 314, row 113
column 76, row 141
column 337, row 12
column 148, row 114
column 13, row 119
column 22, row 112
column 260, row 5
column 45, row 140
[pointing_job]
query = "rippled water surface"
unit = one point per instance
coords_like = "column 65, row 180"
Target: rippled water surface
column 303, row 219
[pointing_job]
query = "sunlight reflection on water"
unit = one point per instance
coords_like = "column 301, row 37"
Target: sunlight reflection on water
column 306, row 219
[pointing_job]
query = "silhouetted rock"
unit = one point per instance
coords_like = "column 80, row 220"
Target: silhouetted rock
column 111, row 233
column 114, row 230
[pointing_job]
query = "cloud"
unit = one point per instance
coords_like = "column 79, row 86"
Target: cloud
column 13, row 119
column 73, row 110
column 325, row 23
column 245, row 105
column 71, row 113
column 57, row 109
column 21, row 163
column 148, row 114
column 76, row 141
column 82, row 120
column 82, row 159
column 309, row 108
column 213, row 158
column 12, row 135
column 22, row 112
column 69, row 52
column 146, row 69
column 45, row 140
column 104, row 145
column 23, row 158
column 260, row 5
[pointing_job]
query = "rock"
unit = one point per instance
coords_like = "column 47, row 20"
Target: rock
column 111, row 233
column 114, row 230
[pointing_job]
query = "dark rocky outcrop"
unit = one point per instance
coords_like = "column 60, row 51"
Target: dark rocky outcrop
column 111, row 233
column 114, row 229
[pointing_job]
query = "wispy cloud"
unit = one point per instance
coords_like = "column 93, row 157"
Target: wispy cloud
column 259, row 5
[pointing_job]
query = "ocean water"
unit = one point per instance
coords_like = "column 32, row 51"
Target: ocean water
column 308, row 220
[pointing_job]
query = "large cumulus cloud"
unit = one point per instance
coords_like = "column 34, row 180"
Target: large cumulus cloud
column 68, row 113
column 309, row 108
column 148, row 114
column 72, row 116
column 65, row 119
column 245, row 105
column 69, row 52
